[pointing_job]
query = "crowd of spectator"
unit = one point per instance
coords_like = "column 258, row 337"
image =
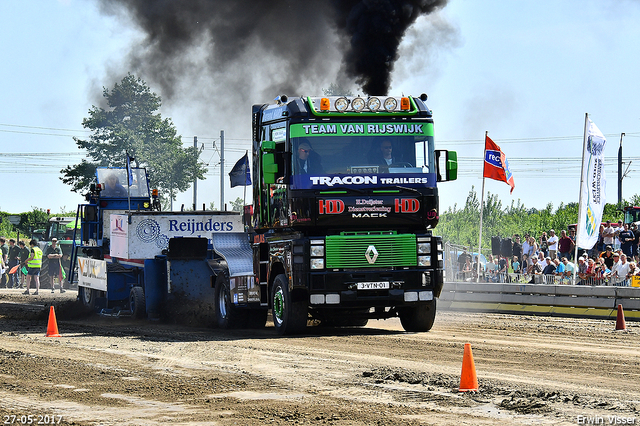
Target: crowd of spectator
column 614, row 259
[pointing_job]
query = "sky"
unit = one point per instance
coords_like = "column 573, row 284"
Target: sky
column 526, row 72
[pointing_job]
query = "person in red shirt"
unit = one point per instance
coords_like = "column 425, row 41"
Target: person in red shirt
column 565, row 245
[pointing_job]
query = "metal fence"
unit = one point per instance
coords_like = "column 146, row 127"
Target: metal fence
column 535, row 279
column 454, row 274
column 540, row 299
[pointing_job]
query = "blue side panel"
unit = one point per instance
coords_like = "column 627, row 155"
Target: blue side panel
column 155, row 285
column 119, row 286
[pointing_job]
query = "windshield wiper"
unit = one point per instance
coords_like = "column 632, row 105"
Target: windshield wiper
column 347, row 189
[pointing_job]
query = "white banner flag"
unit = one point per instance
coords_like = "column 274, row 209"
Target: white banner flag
column 592, row 191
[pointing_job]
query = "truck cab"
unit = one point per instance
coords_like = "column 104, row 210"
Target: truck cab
column 345, row 200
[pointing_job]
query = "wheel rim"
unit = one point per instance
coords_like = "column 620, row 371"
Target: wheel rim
column 278, row 306
column 223, row 300
column 132, row 302
column 86, row 295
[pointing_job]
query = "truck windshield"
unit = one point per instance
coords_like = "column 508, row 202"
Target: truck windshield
column 116, row 183
column 362, row 155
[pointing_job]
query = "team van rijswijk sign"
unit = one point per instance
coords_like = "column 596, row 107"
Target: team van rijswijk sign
column 363, row 180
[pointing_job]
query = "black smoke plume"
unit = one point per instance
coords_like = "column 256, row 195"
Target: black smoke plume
column 283, row 46
column 375, row 29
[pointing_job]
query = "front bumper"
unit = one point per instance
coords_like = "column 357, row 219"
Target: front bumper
column 405, row 287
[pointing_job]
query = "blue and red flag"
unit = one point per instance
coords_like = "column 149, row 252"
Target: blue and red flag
column 496, row 165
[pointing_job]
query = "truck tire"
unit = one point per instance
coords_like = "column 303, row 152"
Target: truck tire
column 227, row 315
column 88, row 297
column 137, row 303
column 289, row 316
column 418, row 318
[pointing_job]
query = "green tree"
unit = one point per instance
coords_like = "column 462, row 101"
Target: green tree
column 35, row 219
column 131, row 124
column 461, row 226
column 237, row 205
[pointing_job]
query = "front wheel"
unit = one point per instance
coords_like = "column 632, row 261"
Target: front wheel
column 87, row 297
column 227, row 315
column 137, row 302
column 418, row 318
column 289, row 315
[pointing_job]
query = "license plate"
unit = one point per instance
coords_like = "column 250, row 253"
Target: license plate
column 381, row 285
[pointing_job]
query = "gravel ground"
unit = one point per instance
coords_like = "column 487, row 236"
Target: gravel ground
column 116, row 371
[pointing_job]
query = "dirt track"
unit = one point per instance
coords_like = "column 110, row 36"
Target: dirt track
column 114, row 371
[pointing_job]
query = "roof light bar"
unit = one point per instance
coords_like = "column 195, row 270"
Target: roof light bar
column 373, row 104
column 390, row 104
column 342, row 104
column 358, row 104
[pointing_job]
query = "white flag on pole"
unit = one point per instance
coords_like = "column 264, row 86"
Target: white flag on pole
column 592, row 188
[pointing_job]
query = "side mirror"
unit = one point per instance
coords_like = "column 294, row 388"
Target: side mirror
column 268, row 146
column 452, row 165
column 269, row 168
column 447, row 164
column 273, row 162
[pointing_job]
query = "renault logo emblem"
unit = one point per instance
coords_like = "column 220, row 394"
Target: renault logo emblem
column 371, row 254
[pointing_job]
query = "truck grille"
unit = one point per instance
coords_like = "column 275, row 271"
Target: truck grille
column 349, row 251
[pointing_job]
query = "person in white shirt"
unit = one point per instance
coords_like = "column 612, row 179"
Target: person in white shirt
column 542, row 261
column 620, row 272
column 552, row 244
column 608, row 233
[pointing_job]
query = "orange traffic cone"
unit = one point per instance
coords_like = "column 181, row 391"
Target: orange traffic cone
column 468, row 378
column 52, row 327
column 620, row 324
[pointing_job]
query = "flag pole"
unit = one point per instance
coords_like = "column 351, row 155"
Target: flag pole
column 580, row 213
column 244, row 203
column 128, row 164
column 481, row 208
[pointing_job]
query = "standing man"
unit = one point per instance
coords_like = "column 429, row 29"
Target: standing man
column 618, row 229
column 565, row 245
column 608, row 233
column 525, row 247
column 5, row 254
column 636, row 240
column 627, row 238
column 552, row 243
column 54, row 254
column 23, row 256
column 14, row 258
column 34, row 263
column 517, row 247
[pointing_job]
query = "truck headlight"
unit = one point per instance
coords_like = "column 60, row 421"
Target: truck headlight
column 424, row 260
column 317, row 251
column 317, row 263
column 424, row 248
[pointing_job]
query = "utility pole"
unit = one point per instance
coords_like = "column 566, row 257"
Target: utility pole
column 195, row 178
column 620, row 176
column 221, row 170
